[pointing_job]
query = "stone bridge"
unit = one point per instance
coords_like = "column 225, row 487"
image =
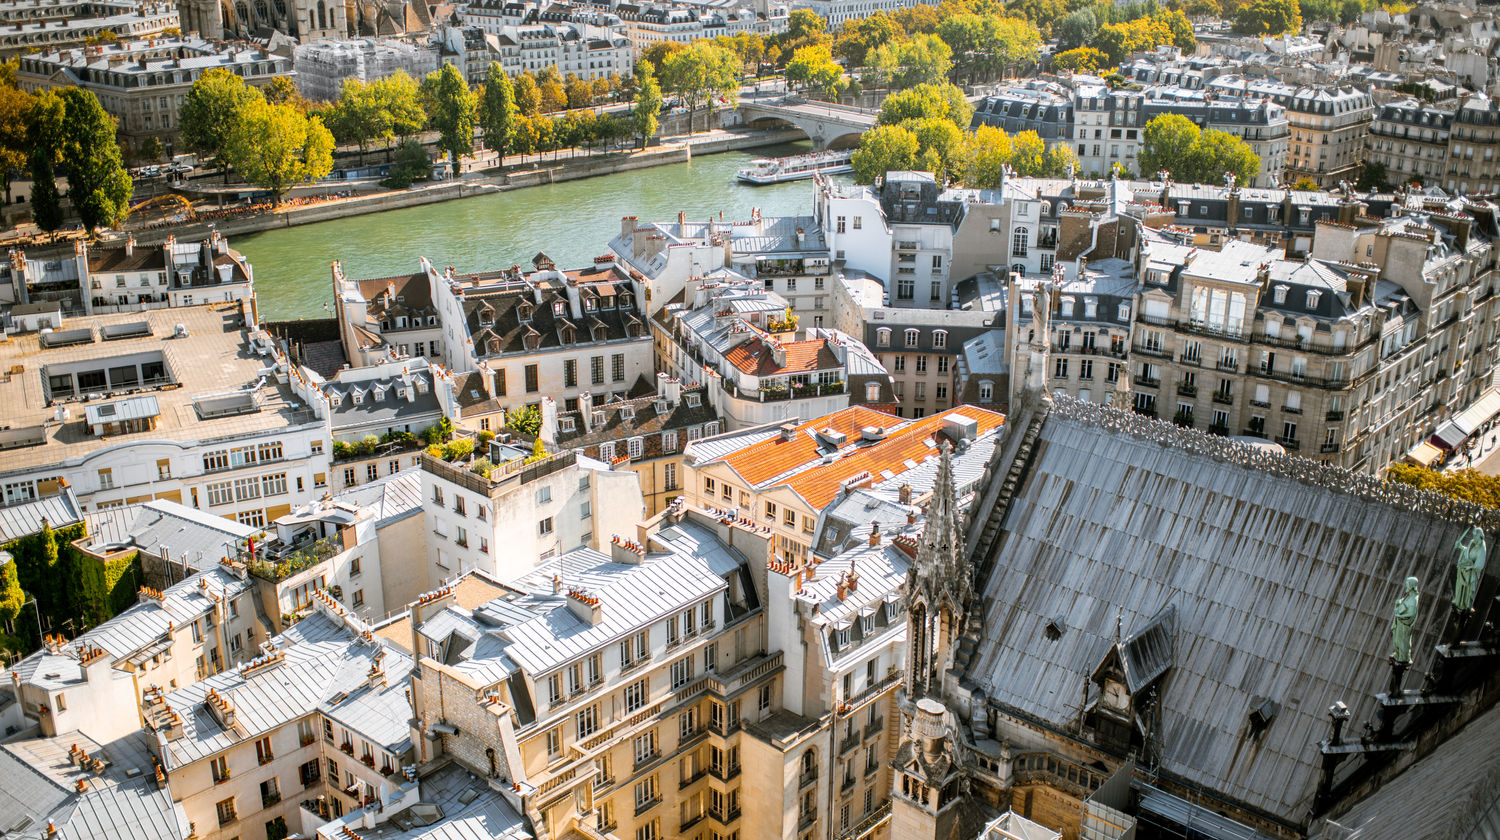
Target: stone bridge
column 827, row 124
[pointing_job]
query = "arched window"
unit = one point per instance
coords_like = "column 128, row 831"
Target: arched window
column 243, row 12
column 322, row 15
column 262, row 11
column 1018, row 242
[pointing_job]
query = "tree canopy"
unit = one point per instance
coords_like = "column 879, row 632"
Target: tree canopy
column 277, row 147
column 210, row 111
column 15, row 115
column 1268, row 17
column 704, row 73
column 814, row 67
column 450, row 108
column 1173, row 143
column 882, row 149
column 497, row 109
column 75, row 131
column 643, row 116
column 1468, row 485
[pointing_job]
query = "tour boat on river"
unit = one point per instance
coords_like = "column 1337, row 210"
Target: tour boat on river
column 797, row 167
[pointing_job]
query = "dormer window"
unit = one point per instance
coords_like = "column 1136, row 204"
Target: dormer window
column 627, row 412
column 359, row 397
column 636, row 447
column 1067, row 306
column 867, row 623
column 598, row 418
column 890, row 612
column 1312, row 299
column 883, row 337
column 590, row 304
column 421, row 386
column 1278, row 294
column 661, row 406
column 557, row 307
column 567, row 424
column 692, row 400
column 487, row 315
column 625, row 301
column 523, row 311
column 841, row 638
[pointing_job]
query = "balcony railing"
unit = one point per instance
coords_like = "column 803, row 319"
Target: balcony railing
column 1187, row 390
column 1328, row 448
column 807, row 779
column 1289, row 443
column 1145, row 381
column 1223, row 398
column 277, row 567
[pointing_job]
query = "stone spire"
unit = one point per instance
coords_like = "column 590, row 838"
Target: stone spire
column 939, row 586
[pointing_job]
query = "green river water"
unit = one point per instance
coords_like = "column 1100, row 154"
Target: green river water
column 572, row 222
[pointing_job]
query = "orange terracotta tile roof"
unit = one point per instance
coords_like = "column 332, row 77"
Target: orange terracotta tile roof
column 818, row 483
column 769, row 458
column 754, row 357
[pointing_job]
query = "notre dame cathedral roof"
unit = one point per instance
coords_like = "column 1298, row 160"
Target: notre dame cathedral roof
column 1273, row 576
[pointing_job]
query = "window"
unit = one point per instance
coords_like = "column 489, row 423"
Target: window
column 263, row 752
column 570, row 373
column 912, row 337
column 682, row 672
column 687, row 723
column 1018, row 242
column 544, row 527
column 617, row 367
column 940, row 340
column 554, row 742
column 543, row 495
column 532, row 385
column 883, row 337
column 765, row 697
column 220, row 765
column 587, row 721
column 645, row 747
column 225, row 807
column 596, row 370
column 636, row 694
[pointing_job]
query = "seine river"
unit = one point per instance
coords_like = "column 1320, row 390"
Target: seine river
column 572, row 222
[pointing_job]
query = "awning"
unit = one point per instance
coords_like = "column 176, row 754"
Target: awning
column 1476, row 415
column 1424, row 454
column 1448, row 436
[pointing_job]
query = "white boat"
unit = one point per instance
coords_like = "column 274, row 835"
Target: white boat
column 776, row 170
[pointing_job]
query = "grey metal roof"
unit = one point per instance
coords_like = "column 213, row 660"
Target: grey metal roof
column 466, row 809
column 123, row 801
column 191, row 536
column 130, row 408
column 322, row 659
column 25, row 519
column 1282, row 590
column 391, row 498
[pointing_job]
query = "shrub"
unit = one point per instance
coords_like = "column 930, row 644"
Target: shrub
column 485, row 436
column 461, row 448
column 342, row 449
column 484, row 467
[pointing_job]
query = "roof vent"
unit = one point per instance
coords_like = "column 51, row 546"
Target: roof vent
column 1262, row 712
column 872, row 433
column 788, row 431
column 832, row 437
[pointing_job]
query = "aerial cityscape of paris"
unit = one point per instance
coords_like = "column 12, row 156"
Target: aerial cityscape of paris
column 750, row 420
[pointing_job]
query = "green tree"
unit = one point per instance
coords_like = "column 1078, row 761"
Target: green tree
column 1373, row 176
column 358, row 117
column 700, row 75
column 497, row 110
column 98, row 185
column 1468, row 485
column 643, row 116
column 450, row 107
column 940, row 145
column 985, row 44
column 523, row 139
column 987, row 154
column 1203, row 9
column 1268, row 17
column 1180, row 27
column 525, row 419
column 943, row 101
column 883, row 149
column 859, row 36
column 15, row 116
column 277, row 147
column 554, row 97
column 1080, row 60
column 400, row 99
column 411, row 163
column 922, row 60
column 815, row 68
column 1075, row 29
column 656, row 55
column 44, row 135
column 528, row 95
column 1028, row 156
column 210, row 111
column 283, row 91
column 1218, row 152
column 580, row 94
column 1166, row 144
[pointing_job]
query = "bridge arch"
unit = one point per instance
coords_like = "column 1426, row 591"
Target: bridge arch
column 828, row 126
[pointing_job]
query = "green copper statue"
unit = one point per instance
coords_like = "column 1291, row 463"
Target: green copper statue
column 1403, row 618
column 1471, row 555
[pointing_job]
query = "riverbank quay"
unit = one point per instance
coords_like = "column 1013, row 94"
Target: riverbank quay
column 536, row 173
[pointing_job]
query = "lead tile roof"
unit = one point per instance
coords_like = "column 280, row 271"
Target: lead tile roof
column 1282, row 590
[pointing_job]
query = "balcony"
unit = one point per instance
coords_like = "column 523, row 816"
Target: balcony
column 1334, row 416
column 1289, row 443
column 1219, row 429
column 269, row 799
column 867, row 825
column 1195, row 361
column 1328, row 448
column 1229, row 365
column 850, row 742
column 282, row 561
column 806, row 820
column 1187, row 390
column 1151, row 350
column 807, row 779
column 1290, row 410
column 643, row 807
column 1145, row 381
column 1260, row 403
column 1255, row 433
column 1223, row 399
column 875, row 727
column 724, row 817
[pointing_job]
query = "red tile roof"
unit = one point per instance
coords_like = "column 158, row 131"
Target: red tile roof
column 754, row 357
column 818, row 483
